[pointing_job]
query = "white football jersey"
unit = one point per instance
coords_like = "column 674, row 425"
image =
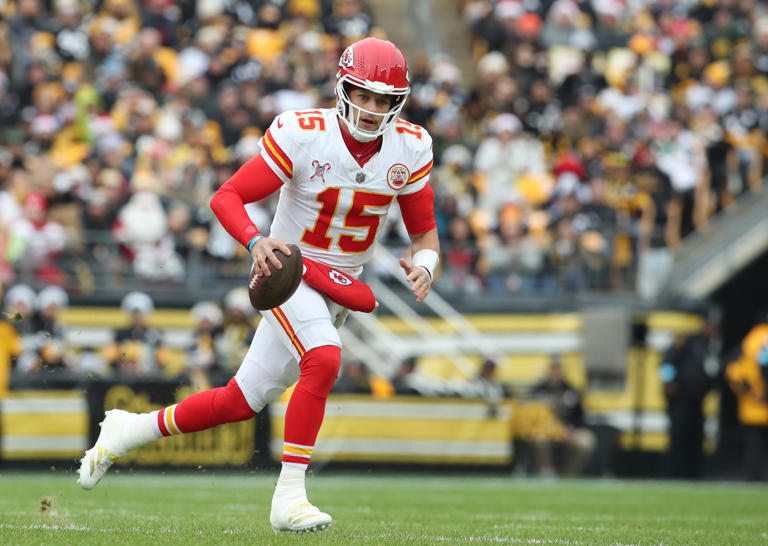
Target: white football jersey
column 329, row 205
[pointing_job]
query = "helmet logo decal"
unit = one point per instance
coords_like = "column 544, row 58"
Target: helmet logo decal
column 319, row 170
column 397, row 176
column 347, row 58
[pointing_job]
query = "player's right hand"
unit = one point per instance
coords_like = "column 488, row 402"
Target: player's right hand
column 420, row 278
column 263, row 252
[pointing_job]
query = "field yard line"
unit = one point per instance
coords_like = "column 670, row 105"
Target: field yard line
column 86, row 528
column 476, row 538
column 495, row 539
column 51, row 527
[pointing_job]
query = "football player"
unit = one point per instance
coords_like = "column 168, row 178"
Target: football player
column 338, row 172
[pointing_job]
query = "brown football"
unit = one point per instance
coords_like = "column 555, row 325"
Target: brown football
column 272, row 291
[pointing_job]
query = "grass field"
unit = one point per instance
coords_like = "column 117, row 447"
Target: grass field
column 233, row 508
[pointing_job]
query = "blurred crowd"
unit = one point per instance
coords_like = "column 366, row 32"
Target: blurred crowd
column 203, row 345
column 595, row 136
column 599, row 133
column 121, row 118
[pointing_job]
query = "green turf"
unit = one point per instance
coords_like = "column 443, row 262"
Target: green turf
column 377, row 508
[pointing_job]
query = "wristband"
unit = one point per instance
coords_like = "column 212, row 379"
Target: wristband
column 428, row 259
column 253, row 241
column 762, row 356
column 667, row 372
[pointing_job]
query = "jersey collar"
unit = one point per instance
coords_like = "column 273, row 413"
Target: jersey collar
column 351, row 165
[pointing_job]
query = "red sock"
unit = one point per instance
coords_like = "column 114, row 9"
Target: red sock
column 205, row 410
column 304, row 415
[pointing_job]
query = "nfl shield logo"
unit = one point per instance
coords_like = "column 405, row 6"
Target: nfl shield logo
column 360, row 178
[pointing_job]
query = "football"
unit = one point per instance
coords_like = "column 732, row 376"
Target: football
column 272, row 291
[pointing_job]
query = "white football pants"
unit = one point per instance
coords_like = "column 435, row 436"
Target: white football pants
column 307, row 320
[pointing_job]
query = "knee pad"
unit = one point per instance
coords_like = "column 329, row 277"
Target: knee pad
column 230, row 403
column 319, row 370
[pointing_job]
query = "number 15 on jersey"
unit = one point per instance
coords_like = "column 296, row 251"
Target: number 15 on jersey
column 356, row 217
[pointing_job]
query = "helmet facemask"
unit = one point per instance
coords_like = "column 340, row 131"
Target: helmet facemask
column 350, row 113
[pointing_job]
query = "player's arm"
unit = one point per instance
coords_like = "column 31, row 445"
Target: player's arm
column 419, row 217
column 254, row 181
column 425, row 248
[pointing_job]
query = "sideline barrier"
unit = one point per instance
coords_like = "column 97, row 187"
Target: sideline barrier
column 406, row 429
column 43, row 424
column 57, row 425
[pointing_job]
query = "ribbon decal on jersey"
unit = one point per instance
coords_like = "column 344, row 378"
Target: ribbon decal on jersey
column 319, row 170
column 397, row 176
column 343, row 289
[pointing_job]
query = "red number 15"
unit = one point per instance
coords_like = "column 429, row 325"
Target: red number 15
column 355, row 218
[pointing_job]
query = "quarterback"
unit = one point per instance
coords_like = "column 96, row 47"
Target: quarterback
column 338, row 172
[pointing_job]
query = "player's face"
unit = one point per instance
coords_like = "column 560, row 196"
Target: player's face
column 372, row 102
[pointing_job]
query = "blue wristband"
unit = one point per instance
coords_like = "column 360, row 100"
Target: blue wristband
column 762, row 356
column 253, row 241
column 667, row 372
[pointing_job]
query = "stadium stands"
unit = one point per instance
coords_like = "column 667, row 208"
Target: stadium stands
column 564, row 167
column 592, row 139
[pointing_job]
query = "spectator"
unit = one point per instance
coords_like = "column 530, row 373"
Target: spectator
column 576, row 441
column 237, row 327
column 40, row 241
column 402, row 380
column 748, row 377
column 409, row 380
column 513, row 259
column 20, row 301
column 137, row 350
column 142, row 227
column 350, row 20
column 461, row 258
column 204, row 356
column 485, row 386
column 686, row 373
column 50, row 348
column 10, row 350
column 561, row 27
column 354, row 379
column 502, row 158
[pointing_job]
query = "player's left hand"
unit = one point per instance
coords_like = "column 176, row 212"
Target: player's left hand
column 419, row 277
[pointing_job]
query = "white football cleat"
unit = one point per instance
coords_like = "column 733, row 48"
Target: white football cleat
column 118, row 436
column 297, row 515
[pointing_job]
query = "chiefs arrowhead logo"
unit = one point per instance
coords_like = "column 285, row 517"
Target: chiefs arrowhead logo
column 347, row 59
column 339, row 278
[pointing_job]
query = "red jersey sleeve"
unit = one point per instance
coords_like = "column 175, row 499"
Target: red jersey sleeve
column 254, row 181
column 418, row 210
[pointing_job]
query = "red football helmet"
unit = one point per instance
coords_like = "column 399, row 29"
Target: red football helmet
column 378, row 66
